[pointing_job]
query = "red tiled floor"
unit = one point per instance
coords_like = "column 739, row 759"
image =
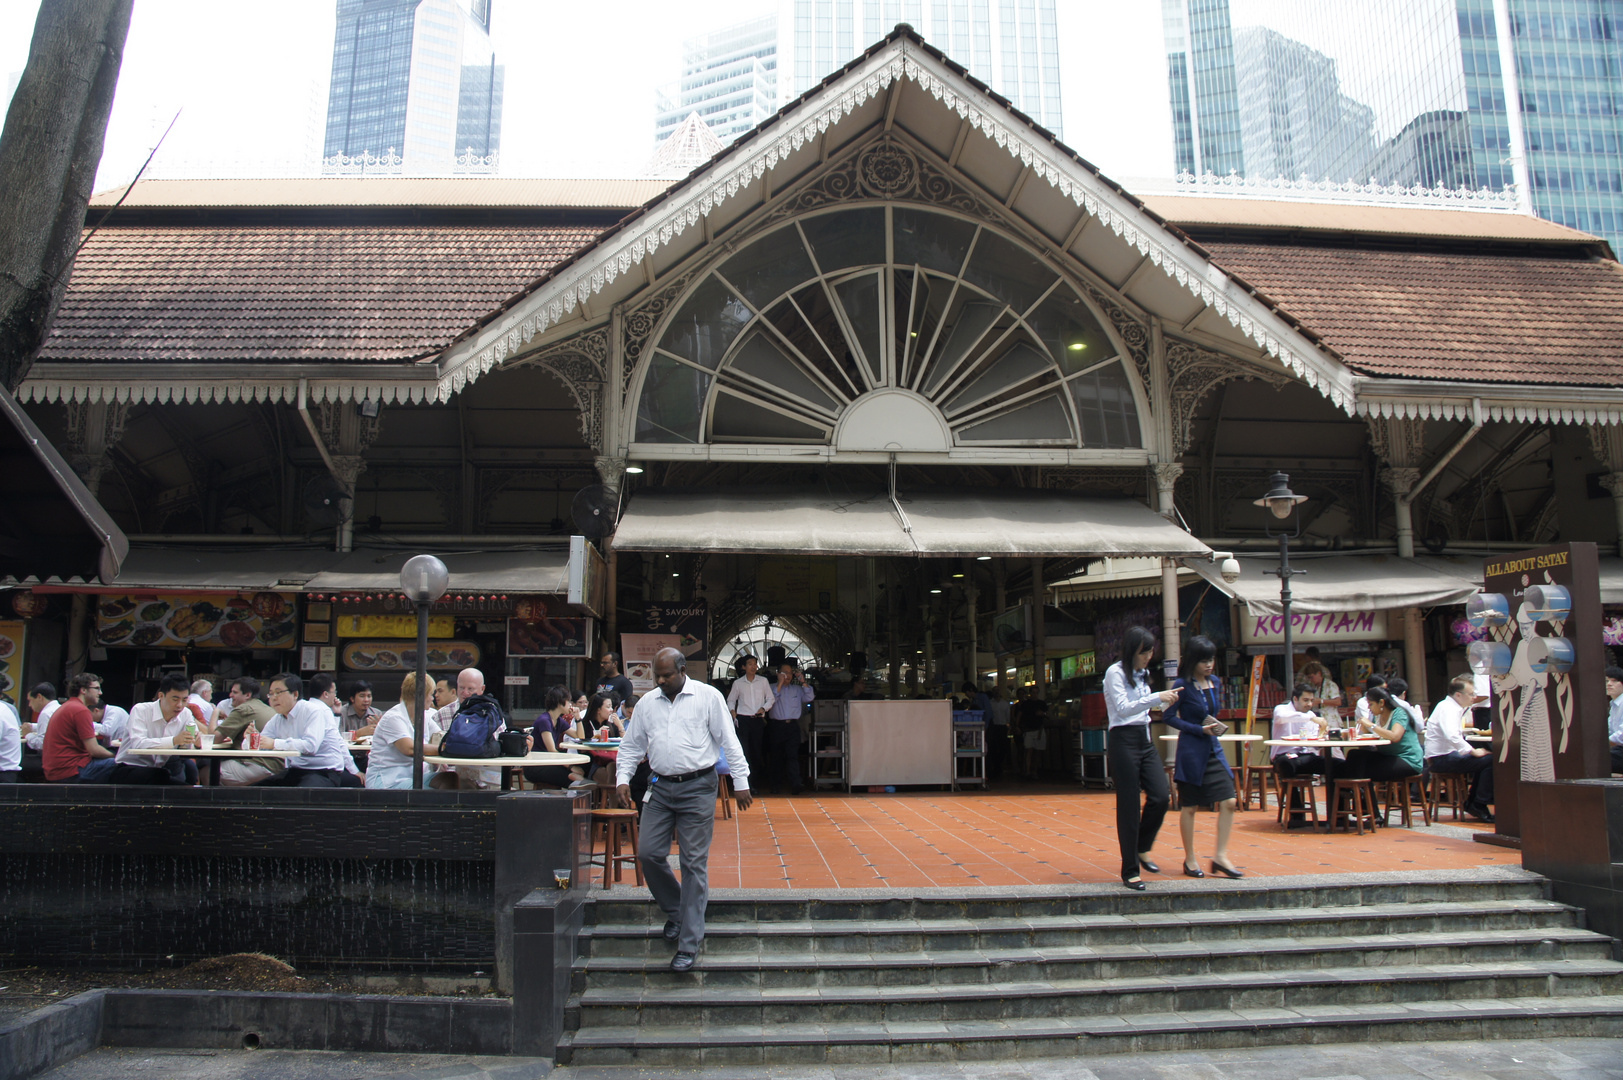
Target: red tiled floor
column 1021, row 836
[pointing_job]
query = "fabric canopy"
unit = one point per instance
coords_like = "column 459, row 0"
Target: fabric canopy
column 172, row 569
column 1611, row 581
column 1372, row 582
column 942, row 523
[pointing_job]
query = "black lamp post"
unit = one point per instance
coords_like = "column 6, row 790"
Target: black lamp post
column 423, row 579
column 1281, row 502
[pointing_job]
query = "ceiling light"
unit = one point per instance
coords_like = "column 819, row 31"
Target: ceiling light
column 676, row 575
column 1077, row 346
column 935, row 590
column 957, row 575
column 983, row 558
column 634, row 470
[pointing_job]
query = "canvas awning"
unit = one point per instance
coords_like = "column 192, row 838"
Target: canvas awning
column 290, row 569
column 945, row 523
column 1351, row 582
column 1611, row 580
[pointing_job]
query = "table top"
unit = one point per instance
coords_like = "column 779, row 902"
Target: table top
column 601, row 744
column 213, row 751
column 537, row 758
column 1324, row 742
column 1222, row 738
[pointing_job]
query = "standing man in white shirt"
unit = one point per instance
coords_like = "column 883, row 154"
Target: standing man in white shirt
column 309, row 727
column 749, row 699
column 682, row 730
column 11, row 745
column 1447, row 751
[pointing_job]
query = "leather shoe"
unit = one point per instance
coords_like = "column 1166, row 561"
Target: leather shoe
column 682, row 961
column 1226, row 871
column 1193, row 871
column 1136, row 884
column 672, row 931
column 1147, row 865
column 1481, row 813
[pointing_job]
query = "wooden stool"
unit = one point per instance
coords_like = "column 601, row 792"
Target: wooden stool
column 1284, row 786
column 1396, row 795
column 1360, row 804
column 724, row 795
column 1172, row 788
column 1447, row 789
column 619, row 830
column 1255, row 778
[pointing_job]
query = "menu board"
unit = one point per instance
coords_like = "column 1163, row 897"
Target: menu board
column 542, row 636
column 258, row 620
column 395, row 626
column 397, row 656
column 11, row 660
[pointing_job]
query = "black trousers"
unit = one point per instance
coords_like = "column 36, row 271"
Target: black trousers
column 997, row 750
column 306, row 778
column 782, row 756
column 15, row 776
column 1617, row 758
column 141, row 774
column 752, row 737
column 1289, row 765
column 1136, row 768
column 556, row 776
column 1479, row 769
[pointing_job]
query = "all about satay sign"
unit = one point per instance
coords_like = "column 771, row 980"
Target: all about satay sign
column 1543, row 658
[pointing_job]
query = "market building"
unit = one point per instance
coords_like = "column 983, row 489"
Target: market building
column 896, row 370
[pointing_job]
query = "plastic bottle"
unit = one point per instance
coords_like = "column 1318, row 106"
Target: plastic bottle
column 191, row 729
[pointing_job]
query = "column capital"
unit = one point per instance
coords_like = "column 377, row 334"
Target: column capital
column 1400, row 481
column 1167, row 474
column 610, row 469
column 1613, row 482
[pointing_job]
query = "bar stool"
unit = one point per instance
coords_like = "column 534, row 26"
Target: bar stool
column 1397, row 795
column 1256, row 778
column 1285, row 786
column 724, row 789
column 1360, row 799
column 619, row 828
column 1172, row 788
column 1446, row 789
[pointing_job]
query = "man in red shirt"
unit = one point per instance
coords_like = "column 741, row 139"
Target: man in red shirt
column 70, row 751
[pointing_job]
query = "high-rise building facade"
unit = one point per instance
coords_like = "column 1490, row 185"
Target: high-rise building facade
column 729, row 78
column 1450, row 93
column 415, row 83
column 1011, row 45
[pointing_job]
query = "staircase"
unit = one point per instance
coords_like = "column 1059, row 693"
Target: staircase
column 878, row 976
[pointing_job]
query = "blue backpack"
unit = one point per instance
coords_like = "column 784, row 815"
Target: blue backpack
column 474, row 728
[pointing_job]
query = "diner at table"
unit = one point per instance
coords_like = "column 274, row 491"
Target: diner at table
column 1202, row 773
column 1293, row 721
column 308, row 726
column 162, row 723
column 1397, row 754
column 248, row 714
column 557, row 722
column 1447, row 750
column 394, row 741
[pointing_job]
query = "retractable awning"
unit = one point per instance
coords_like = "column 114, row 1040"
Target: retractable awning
column 1350, row 582
column 543, row 570
column 1611, row 581
column 944, row 523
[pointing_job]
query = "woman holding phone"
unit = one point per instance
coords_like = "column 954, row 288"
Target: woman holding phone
column 1203, row 774
column 1134, row 765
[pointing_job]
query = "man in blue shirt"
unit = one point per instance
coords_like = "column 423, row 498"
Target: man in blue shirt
column 790, row 697
column 1614, row 719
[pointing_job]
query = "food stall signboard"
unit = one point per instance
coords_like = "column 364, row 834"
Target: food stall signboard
column 1308, row 627
column 688, row 619
column 637, row 650
column 11, row 660
column 399, row 656
column 395, row 626
column 541, row 635
column 248, row 620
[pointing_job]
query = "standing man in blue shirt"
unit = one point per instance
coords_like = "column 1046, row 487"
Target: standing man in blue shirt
column 789, row 700
column 682, row 731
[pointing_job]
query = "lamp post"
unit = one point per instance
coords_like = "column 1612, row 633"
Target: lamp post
column 423, row 579
column 1281, row 502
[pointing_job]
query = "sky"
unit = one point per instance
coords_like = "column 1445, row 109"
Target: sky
column 248, row 82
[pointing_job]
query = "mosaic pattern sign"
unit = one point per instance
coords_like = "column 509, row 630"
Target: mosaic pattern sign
column 248, row 620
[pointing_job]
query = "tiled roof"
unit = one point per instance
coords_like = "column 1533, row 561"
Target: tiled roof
column 1516, row 318
column 293, row 293
column 376, row 191
column 1203, row 213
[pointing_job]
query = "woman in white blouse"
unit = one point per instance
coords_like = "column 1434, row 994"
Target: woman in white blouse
column 1135, row 766
column 389, row 765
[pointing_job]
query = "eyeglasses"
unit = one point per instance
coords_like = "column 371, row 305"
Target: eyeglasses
column 273, row 693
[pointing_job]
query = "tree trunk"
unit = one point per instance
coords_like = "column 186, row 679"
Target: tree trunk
column 49, row 152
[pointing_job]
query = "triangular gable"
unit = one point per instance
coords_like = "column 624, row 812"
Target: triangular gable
column 601, row 274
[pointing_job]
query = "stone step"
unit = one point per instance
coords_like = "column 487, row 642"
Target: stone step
column 633, row 907
column 985, row 967
column 824, row 936
column 697, row 1043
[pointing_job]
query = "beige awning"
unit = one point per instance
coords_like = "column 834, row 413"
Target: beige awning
column 1351, row 582
column 524, row 570
column 943, row 523
column 1611, row 580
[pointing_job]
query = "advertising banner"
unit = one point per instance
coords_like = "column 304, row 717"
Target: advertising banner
column 395, row 626
column 11, row 661
column 688, row 619
column 533, row 632
column 1308, row 628
column 260, row 620
column 637, row 650
column 383, row 656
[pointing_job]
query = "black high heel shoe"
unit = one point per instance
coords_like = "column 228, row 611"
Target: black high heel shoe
column 1147, row 865
column 1193, row 871
column 1226, row 871
column 1136, row 884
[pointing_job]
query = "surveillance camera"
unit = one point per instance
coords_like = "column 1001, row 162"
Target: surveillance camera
column 1230, row 569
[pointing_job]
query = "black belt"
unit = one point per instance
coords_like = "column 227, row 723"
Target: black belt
column 706, row 771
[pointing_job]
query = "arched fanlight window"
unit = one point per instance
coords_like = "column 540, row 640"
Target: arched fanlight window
column 757, row 640
column 777, row 342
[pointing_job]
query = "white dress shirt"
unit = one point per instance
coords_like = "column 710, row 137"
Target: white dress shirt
column 312, row 730
column 747, row 695
column 114, row 722
column 692, row 732
column 1290, row 722
column 1128, row 699
column 11, row 739
column 36, row 738
column 148, row 728
column 1443, row 734
column 394, row 726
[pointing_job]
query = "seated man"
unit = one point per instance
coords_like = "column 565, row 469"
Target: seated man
column 11, row 745
column 1614, row 717
column 308, row 726
column 1446, row 750
column 359, row 716
column 165, row 722
column 246, row 710
column 111, row 721
column 70, row 750
column 323, row 687
column 1295, row 718
column 42, row 705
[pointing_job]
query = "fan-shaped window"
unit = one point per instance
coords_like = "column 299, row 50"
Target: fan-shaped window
column 789, row 331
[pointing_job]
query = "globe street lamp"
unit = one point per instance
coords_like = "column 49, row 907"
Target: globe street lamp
column 423, row 579
column 1281, row 502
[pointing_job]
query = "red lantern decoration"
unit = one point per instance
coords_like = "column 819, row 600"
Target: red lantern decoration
column 27, row 604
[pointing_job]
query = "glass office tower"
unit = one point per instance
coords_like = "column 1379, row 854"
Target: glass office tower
column 1452, row 93
column 729, row 77
column 1011, row 45
column 417, row 79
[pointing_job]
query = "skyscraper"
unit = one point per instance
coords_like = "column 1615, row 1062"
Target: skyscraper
column 1012, row 45
column 1457, row 93
column 416, row 79
column 729, row 77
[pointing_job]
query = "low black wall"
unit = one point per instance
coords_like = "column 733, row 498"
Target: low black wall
column 1572, row 833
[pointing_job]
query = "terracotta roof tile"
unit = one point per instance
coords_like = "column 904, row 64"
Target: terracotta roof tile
column 293, row 293
column 1447, row 315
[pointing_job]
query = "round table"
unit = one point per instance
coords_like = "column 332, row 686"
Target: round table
column 508, row 764
column 214, row 754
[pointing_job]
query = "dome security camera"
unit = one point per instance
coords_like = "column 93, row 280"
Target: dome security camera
column 1230, row 569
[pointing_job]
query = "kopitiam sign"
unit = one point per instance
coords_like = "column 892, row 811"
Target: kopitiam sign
column 1314, row 627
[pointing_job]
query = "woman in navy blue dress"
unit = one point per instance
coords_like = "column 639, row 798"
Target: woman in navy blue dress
column 1202, row 774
